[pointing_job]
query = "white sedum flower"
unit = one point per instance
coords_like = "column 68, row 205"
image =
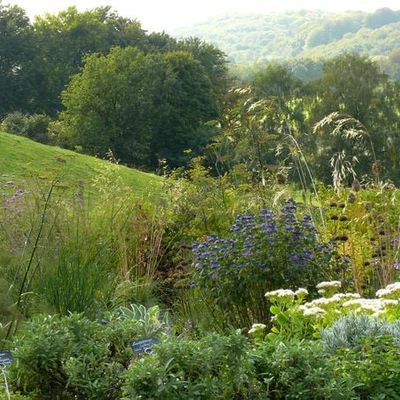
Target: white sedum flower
column 348, row 296
column 257, row 328
column 371, row 305
column 390, row 291
column 301, row 292
column 337, row 299
column 280, row 293
column 389, row 302
column 323, row 302
column 383, row 293
column 329, row 285
column 313, row 311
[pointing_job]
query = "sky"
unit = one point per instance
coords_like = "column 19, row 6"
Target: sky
column 159, row 15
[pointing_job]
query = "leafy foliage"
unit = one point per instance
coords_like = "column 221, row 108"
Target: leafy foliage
column 298, row 370
column 17, row 50
column 260, row 38
column 34, row 126
column 72, row 356
column 213, row 367
column 261, row 253
column 373, row 367
column 142, row 107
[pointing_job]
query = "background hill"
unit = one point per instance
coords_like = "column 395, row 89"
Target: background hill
column 24, row 162
column 300, row 34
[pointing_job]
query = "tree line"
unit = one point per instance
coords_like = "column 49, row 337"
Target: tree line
column 95, row 81
column 341, row 126
column 150, row 94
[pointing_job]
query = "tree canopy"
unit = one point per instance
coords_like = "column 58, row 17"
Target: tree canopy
column 141, row 106
column 15, row 54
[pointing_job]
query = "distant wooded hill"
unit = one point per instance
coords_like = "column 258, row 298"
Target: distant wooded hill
column 301, row 34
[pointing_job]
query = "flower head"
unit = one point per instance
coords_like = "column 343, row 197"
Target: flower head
column 257, row 328
column 313, row 311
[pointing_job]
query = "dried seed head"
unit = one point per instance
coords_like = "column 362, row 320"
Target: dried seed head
column 280, row 179
column 356, row 185
column 351, row 198
column 368, row 206
column 377, row 168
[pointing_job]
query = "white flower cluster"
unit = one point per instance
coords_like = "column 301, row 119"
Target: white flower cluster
column 280, row 293
column 301, row 292
column 286, row 294
column 329, row 284
column 328, row 287
column 336, row 303
column 257, row 328
column 373, row 306
column 319, row 306
column 335, row 299
column 312, row 311
column 391, row 291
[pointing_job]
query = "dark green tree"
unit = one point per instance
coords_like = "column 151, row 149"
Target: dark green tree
column 185, row 102
column 277, row 81
column 354, row 87
column 140, row 106
column 15, row 54
column 63, row 40
column 108, row 105
column 213, row 61
column 351, row 84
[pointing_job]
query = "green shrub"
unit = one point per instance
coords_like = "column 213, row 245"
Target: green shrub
column 373, row 367
column 73, row 356
column 298, row 370
column 260, row 253
column 213, row 367
column 32, row 126
column 13, row 396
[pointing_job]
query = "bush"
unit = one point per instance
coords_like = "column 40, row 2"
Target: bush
column 373, row 367
column 214, row 367
column 33, row 126
column 260, row 253
column 298, row 370
column 73, row 356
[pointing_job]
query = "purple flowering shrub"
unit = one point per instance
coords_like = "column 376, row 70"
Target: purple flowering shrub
column 261, row 252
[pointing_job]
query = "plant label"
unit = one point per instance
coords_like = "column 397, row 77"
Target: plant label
column 5, row 358
column 144, row 346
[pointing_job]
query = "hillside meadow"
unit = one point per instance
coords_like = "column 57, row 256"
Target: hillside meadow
column 26, row 163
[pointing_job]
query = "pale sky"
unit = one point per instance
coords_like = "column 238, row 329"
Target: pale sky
column 161, row 15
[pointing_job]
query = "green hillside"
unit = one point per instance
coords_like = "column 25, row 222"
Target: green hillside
column 299, row 34
column 24, row 162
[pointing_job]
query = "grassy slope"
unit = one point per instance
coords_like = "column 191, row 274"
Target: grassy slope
column 24, row 162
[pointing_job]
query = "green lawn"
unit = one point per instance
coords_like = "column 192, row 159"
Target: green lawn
column 25, row 162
